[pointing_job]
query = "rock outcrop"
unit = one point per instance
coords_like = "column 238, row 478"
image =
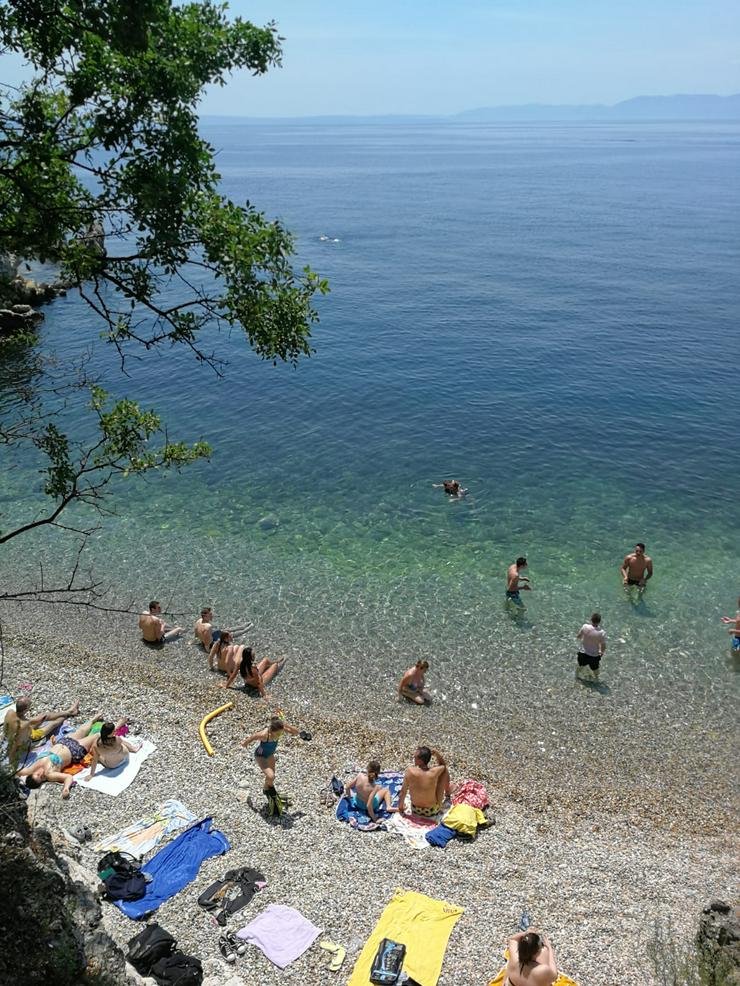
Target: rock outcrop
column 718, row 944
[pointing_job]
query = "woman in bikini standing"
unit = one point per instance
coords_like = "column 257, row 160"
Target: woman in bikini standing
column 531, row 960
column 267, row 741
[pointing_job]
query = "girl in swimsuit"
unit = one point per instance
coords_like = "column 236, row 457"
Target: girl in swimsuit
column 369, row 795
column 267, row 740
column 531, row 960
column 255, row 675
column 110, row 750
column 70, row 749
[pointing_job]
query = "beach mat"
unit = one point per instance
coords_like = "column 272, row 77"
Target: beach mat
column 114, row 782
column 359, row 819
column 146, row 833
column 423, row 925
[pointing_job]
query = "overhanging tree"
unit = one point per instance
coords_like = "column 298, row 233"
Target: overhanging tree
column 103, row 138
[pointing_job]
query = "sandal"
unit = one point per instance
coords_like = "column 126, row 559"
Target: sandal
column 338, row 953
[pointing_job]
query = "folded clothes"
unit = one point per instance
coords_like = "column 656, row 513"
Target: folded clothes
column 470, row 793
column 282, row 933
column 465, row 819
column 440, row 836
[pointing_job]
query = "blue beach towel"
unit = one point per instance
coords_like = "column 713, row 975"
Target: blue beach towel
column 175, row 866
column 360, row 820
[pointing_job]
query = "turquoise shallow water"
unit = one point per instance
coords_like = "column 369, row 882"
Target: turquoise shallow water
column 549, row 314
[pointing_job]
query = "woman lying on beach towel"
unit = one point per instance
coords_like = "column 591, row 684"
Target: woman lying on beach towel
column 110, row 749
column 71, row 749
column 369, row 795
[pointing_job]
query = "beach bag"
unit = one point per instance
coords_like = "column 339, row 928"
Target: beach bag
column 117, row 862
column 387, row 963
column 150, row 945
column 178, row 969
column 122, row 878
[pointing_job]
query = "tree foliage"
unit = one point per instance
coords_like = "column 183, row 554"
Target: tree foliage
column 103, row 137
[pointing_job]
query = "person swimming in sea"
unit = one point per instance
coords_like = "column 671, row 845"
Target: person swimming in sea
column 369, row 795
column 451, row 487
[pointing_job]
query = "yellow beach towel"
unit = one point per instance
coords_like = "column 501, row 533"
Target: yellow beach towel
column 423, row 925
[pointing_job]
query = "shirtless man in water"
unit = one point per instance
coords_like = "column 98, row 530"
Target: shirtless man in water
column 734, row 629
column 68, row 750
column 636, row 568
column 516, row 582
column 451, row 487
column 21, row 732
column 153, row 628
column 428, row 786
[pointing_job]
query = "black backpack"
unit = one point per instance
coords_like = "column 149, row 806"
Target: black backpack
column 150, row 945
column 178, row 970
column 121, row 876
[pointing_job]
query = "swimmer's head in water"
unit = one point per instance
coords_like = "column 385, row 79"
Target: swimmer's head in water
column 423, row 755
column 521, row 562
column 529, row 946
column 373, row 770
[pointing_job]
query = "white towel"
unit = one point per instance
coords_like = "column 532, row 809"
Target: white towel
column 113, row 782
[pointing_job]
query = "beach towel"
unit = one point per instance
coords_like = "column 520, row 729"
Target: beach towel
column 113, row 782
column 423, row 925
column 470, row 793
column 282, row 933
column 412, row 828
column 359, row 819
column 465, row 819
column 175, row 866
column 142, row 836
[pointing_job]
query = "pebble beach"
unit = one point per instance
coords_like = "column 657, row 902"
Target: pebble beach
column 610, row 815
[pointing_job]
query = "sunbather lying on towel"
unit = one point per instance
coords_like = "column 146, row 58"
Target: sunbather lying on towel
column 109, row 749
column 428, row 786
column 531, row 960
column 21, row 730
column 369, row 795
column 68, row 750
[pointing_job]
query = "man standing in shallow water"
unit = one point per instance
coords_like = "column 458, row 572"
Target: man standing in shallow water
column 516, row 582
column 636, row 569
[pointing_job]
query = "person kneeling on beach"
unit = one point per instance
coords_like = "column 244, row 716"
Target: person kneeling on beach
column 21, row 731
column 267, row 741
column 68, row 750
column 369, row 795
column 411, row 685
column 531, row 960
column 110, row 749
column 427, row 786
column 153, row 628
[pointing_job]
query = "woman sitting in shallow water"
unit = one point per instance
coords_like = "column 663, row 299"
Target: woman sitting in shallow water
column 369, row 795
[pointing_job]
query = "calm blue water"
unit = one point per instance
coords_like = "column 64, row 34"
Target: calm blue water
column 549, row 314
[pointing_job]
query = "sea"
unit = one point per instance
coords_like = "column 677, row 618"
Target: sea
column 548, row 313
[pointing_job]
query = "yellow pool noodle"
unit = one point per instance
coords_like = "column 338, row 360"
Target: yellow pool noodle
column 204, row 722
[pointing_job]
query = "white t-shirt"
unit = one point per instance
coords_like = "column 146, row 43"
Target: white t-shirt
column 591, row 638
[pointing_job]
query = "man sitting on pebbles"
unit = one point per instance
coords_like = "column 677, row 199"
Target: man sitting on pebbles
column 21, row 732
column 70, row 749
column 411, row 685
column 428, row 786
column 208, row 634
column 153, row 628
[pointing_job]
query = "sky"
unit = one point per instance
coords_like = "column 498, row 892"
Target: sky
column 446, row 56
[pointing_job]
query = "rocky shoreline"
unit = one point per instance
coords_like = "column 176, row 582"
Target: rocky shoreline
column 595, row 870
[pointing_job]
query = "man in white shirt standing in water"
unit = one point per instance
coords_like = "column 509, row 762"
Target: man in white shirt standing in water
column 593, row 644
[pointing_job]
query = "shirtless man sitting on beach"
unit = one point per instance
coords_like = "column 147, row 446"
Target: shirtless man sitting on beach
column 636, row 568
column 427, row 786
column 21, row 731
column 153, row 628
column 411, row 685
column 68, row 750
column 208, row 634
column 516, row 582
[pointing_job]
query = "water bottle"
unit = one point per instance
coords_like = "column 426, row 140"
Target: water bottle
column 525, row 920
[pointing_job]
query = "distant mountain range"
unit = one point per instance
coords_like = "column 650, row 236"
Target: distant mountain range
column 688, row 107
column 640, row 108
